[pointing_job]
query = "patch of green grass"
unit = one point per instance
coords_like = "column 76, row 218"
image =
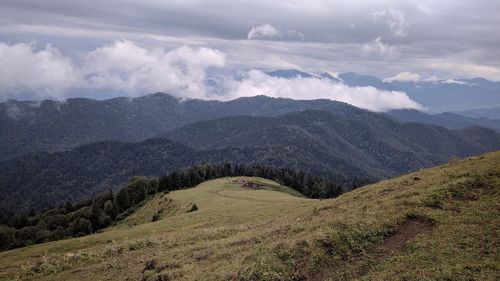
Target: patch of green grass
column 159, row 206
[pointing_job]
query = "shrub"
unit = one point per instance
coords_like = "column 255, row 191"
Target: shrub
column 150, row 265
column 156, row 217
column 193, row 208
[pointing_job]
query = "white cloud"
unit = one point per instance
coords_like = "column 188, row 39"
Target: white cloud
column 433, row 78
column 263, row 31
column 404, row 77
column 259, row 83
column 124, row 66
column 453, row 81
column 395, row 19
column 128, row 68
column 44, row 72
column 270, row 32
column 378, row 47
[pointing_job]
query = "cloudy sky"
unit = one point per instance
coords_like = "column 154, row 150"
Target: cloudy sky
column 60, row 48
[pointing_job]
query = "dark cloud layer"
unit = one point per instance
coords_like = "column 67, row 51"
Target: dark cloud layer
column 448, row 39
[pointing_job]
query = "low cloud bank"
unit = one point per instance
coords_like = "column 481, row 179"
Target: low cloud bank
column 44, row 72
column 123, row 66
column 126, row 68
column 258, row 83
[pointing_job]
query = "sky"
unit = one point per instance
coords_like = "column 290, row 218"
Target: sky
column 214, row 49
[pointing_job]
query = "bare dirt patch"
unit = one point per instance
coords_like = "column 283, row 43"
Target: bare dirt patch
column 401, row 235
column 405, row 232
column 248, row 184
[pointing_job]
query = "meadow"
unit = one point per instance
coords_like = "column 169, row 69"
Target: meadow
column 441, row 223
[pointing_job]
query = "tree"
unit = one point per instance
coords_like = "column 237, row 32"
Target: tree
column 122, row 200
column 7, row 238
column 110, row 209
column 195, row 177
column 95, row 216
column 80, row 227
column 227, row 172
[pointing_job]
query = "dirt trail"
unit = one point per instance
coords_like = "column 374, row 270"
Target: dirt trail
column 402, row 234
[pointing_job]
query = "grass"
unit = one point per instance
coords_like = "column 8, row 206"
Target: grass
column 268, row 233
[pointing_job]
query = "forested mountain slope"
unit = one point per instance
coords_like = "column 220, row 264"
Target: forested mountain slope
column 44, row 180
column 56, row 126
column 374, row 143
column 349, row 149
column 52, row 126
column 447, row 119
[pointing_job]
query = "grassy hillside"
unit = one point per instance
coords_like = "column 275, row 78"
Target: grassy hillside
column 441, row 223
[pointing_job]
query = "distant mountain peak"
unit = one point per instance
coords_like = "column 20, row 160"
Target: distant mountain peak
column 294, row 73
column 289, row 73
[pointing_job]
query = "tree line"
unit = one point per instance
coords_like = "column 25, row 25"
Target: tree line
column 90, row 215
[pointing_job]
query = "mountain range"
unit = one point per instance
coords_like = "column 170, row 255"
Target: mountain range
column 366, row 143
column 51, row 126
column 475, row 97
column 446, row 119
column 349, row 145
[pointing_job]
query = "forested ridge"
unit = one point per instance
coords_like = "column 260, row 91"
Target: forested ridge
column 361, row 143
column 51, row 126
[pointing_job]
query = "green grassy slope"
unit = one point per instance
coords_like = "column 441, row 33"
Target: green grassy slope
column 441, row 223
